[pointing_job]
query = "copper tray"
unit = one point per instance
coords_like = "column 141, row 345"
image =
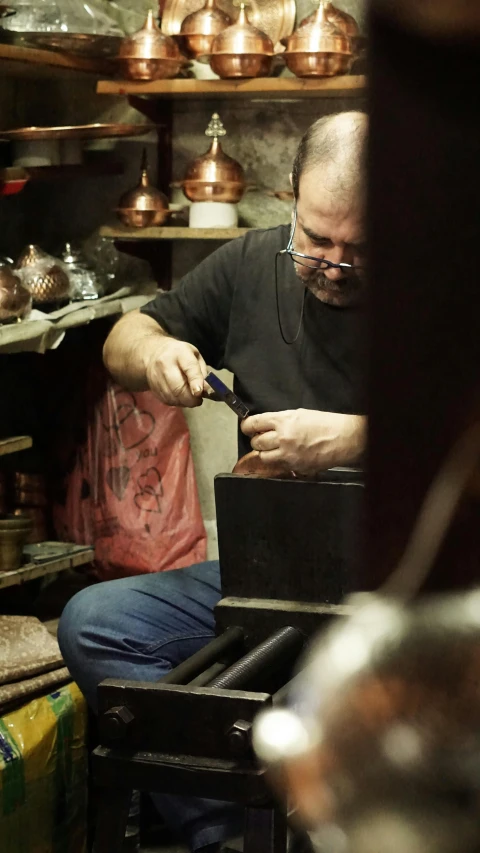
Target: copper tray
column 79, row 131
column 79, row 44
column 274, row 17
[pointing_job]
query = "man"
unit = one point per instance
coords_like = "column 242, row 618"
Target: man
column 297, row 361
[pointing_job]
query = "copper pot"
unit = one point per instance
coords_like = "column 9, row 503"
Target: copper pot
column 46, row 280
column 214, row 176
column 318, row 49
column 144, row 205
column 251, row 465
column 241, row 50
column 342, row 21
column 37, row 515
column 199, row 29
column 15, row 298
column 149, row 54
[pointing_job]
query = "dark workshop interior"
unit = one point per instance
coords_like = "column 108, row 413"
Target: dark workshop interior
column 240, row 426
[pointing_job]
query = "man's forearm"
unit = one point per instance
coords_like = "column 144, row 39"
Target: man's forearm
column 127, row 349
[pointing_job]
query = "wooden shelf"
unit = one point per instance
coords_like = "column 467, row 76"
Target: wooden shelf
column 269, row 87
column 79, row 555
column 116, row 232
column 30, row 62
column 13, row 445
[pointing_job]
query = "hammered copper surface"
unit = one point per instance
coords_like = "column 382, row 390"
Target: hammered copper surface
column 276, row 18
column 199, row 29
column 31, row 255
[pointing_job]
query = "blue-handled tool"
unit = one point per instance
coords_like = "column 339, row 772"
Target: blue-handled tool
column 227, row 396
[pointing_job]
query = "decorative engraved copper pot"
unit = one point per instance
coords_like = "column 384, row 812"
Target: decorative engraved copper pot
column 46, row 281
column 15, row 298
column 342, row 21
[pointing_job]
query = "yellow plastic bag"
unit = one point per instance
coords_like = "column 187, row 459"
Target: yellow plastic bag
column 43, row 775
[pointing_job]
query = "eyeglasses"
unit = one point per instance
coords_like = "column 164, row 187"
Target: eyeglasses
column 310, row 260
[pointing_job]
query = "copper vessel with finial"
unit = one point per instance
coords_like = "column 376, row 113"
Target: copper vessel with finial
column 242, row 50
column 149, row 54
column 319, row 48
column 143, row 205
column 214, row 176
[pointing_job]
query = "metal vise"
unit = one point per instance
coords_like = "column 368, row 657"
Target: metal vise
column 287, row 556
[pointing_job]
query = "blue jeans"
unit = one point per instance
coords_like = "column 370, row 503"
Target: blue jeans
column 138, row 629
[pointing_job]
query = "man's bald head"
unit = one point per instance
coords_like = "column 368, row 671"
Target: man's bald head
column 336, row 144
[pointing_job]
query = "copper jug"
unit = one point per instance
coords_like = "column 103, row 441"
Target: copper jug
column 149, row 54
column 318, row 49
column 242, row 50
column 199, row 29
column 214, row 176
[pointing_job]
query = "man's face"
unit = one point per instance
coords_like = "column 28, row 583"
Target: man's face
column 330, row 226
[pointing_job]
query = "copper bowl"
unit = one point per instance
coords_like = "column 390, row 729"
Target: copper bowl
column 149, row 54
column 199, row 29
column 252, row 466
column 228, row 192
column 132, row 217
column 229, row 65
column 316, row 64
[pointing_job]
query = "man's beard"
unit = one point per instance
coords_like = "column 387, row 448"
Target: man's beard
column 342, row 293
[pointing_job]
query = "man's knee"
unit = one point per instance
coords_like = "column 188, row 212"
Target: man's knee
column 82, row 617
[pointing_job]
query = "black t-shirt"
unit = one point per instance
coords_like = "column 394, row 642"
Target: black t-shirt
column 227, row 308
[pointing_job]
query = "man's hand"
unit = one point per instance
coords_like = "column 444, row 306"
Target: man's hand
column 175, row 371
column 306, row 441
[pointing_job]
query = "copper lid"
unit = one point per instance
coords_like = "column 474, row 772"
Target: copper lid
column 30, row 255
column 207, row 21
column 242, row 38
column 340, row 19
column 215, row 176
column 149, row 43
column 143, row 196
column 215, row 166
column 319, row 36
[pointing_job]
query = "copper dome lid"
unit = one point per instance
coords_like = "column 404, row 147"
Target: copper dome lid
column 43, row 275
column 143, row 205
column 340, row 19
column 318, row 49
column 149, row 54
column 242, row 50
column 242, row 37
column 214, row 176
column 199, row 29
